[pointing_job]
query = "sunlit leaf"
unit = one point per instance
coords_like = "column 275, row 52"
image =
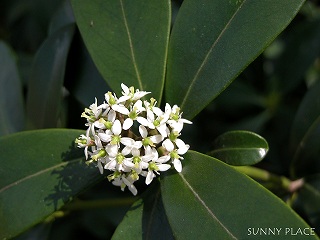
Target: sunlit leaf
column 213, row 41
column 240, row 148
column 40, row 171
column 127, row 40
column 209, row 199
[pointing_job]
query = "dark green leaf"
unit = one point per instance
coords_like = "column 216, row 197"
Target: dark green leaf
column 45, row 86
column 63, row 16
column 240, row 148
column 305, row 140
column 11, row 98
column 209, row 199
column 127, row 40
column 40, row 171
column 307, row 201
column 302, row 48
column 213, row 41
column 144, row 218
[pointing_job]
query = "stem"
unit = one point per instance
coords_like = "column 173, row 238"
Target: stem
column 260, row 174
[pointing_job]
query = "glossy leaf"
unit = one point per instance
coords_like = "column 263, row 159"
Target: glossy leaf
column 305, row 140
column 46, row 82
column 240, row 148
column 40, row 171
column 142, row 221
column 213, row 41
column 11, row 96
column 127, row 40
column 225, row 202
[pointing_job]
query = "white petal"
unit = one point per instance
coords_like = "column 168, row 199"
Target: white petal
column 135, row 152
column 143, row 131
column 143, row 121
column 126, row 150
column 104, row 137
column 177, row 165
column 127, row 123
column 116, row 127
column 157, row 111
column 100, row 167
column 182, row 147
column 112, row 150
column 163, row 159
column 125, row 89
column 167, row 108
column 128, row 163
column 140, row 94
column 162, row 130
column 111, row 165
column 120, row 108
column 127, row 141
column 150, row 115
column 123, row 99
column 156, row 138
column 149, row 177
column 111, row 115
column 167, row 144
column 163, row 167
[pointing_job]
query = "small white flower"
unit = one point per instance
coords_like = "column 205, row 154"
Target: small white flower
column 114, row 145
column 124, row 181
column 175, row 153
column 133, row 114
column 115, row 103
column 129, row 92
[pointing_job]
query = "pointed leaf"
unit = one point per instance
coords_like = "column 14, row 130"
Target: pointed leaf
column 213, row 41
column 226, row 203
column 46, row 82
column 127, row 40
column 40, row 171
column 142, row 221
column 11, row 96
column 240, row 148
column 305, row 135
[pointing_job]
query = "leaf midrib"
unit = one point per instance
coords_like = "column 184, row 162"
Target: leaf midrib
column 205, row 206
column 134, row 61
column 208, row 54
column 36, row 174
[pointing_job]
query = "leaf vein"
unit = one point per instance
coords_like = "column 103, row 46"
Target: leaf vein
column 35, row 174
column 206, row 207
column 208, row 54
column 131, row 46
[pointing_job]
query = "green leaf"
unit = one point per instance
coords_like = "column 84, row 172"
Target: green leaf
column 213, row 41
column 127, row 40
column 142, row 221
column 210, row 199
column 62, row 17
column 301, row 50
column 46, row 82
column 305, row 140
column 307, row 200
column 11, row 96
column 240, row 148
column 40, row 171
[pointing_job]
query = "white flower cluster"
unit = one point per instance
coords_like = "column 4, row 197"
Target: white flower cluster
column 132, row 138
